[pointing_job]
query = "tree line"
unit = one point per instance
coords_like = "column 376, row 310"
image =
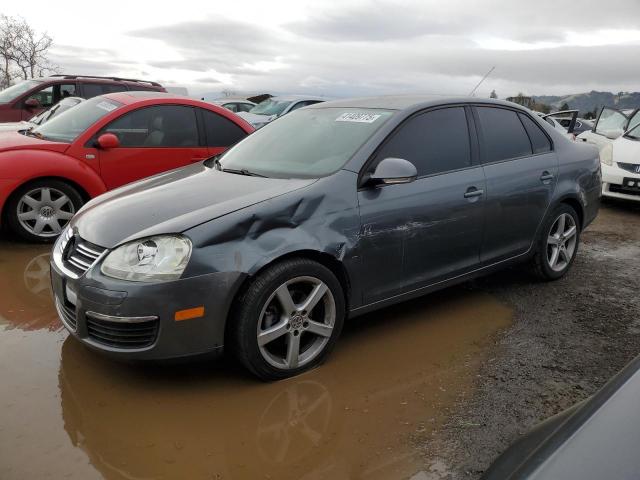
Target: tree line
column 23, row 51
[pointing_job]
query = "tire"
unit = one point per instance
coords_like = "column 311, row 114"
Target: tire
column 556, row 251
column 39, row 210
column 260, row 309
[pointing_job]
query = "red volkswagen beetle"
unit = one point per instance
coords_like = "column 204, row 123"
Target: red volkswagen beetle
column 48, row 172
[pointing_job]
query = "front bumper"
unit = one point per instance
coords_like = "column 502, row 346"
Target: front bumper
column 136, row 321
column 612, row 183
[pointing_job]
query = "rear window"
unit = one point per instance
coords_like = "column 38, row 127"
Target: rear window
column 94, row 89
column 503, row 134
column 539, row 141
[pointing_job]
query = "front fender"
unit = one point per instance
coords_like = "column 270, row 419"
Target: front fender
column 22, row 166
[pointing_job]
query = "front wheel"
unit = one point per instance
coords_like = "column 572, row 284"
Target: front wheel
column 288, row 319
column 40, row 210
column 558, row 243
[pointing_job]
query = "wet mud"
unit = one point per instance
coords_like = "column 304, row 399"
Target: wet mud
column 66, row 412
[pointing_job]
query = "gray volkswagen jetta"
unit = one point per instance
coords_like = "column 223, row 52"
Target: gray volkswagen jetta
column 329, row 212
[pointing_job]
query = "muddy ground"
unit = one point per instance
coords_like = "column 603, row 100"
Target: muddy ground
column 567, row 339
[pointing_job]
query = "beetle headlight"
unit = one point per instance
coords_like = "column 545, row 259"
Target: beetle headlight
column 154, row 259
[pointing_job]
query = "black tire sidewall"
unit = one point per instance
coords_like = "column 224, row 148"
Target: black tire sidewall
column 12, row 206
column 250, row 306
column 542, row 262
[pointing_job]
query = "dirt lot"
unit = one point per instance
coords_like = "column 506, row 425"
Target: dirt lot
column 567, row 339
column 428, row 389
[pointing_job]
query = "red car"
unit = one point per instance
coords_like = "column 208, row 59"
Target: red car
column 48, row 172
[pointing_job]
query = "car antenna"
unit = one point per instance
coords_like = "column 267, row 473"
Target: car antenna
column 480, row 82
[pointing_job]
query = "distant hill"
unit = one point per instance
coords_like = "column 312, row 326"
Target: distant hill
column 587, row 102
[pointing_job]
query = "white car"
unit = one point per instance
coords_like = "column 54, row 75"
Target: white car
column 62, row 106
column 275, row 107
column 236, row 105
column 617, row 136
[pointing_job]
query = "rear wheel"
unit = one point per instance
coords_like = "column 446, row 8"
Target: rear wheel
column 288, row 319
column 557, row 244
column 40, row 210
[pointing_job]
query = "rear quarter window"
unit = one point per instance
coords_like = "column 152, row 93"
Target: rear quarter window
column 539, row 141
column 220, row 131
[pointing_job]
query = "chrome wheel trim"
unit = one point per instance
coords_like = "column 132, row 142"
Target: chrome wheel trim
column 561, row 242
column 303, row 326
column 44, row 211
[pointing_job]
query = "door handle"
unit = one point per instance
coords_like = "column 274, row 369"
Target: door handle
column 546, row 177
column 473, row 192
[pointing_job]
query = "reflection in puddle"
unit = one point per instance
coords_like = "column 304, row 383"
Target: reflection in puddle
column 25, row 289
column 68, row 412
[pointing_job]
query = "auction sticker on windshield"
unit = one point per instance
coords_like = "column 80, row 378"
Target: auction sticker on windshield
column 358, row 117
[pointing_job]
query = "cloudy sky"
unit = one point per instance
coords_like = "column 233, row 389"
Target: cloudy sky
column 349, row 47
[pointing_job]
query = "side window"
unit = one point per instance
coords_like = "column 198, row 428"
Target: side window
column 435, row 142
column 232, row 107
column 611, row 122
column 113, row 87
column 220, row 131
column 65, row 90
column 539, row 140
column 298, row 105
column 91, row 90
column 159, row 126
column 244, row 107
column 44, row 96
column 503, row 135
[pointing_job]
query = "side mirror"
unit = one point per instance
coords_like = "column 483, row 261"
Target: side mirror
column 392, row 171
column 613, row 134
column 32, row 103
column 108, row 140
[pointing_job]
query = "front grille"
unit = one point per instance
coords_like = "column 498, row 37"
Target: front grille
column 630, row 167
column 624, row 190
column 67, row 314
column 80, row 255
column 122, row 334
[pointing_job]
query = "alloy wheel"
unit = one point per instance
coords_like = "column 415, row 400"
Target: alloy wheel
column 296, row 323
column 44, row 211
column 561, row 242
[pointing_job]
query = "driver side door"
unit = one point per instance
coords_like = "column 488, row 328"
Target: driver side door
column 152, row 140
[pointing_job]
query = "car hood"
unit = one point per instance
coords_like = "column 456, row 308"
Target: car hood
column 173, row 202
column 626, row 150
column 254, row 119
column 13, row 140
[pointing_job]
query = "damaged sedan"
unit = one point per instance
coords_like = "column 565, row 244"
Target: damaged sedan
column 329, row 212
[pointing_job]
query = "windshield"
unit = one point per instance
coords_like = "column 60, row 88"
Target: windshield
column 271, row 106
column 611, row 123
column 57, row 109
column 11, row 93
column 306, row 143
column 67, row 126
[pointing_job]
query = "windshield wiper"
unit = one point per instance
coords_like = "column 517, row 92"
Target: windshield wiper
column 242, row 171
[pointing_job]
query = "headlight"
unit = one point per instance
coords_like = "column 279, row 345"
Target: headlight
column 606, row 154
column 154, row 259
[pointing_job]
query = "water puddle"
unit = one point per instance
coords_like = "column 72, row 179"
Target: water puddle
column 69, row 413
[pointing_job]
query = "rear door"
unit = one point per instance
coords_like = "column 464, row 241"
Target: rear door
column 152, row 140
column 521, row 170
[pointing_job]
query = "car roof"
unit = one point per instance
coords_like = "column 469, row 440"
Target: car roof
column 291, row 98
column 133, row 96
column 222, row 101
column 409, row 102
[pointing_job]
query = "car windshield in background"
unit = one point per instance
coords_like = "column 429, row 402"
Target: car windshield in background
column 54, row 111
column 306, row 143
column 270, row 107
column 634, row 133
column 9, row 94
column 67, row 126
